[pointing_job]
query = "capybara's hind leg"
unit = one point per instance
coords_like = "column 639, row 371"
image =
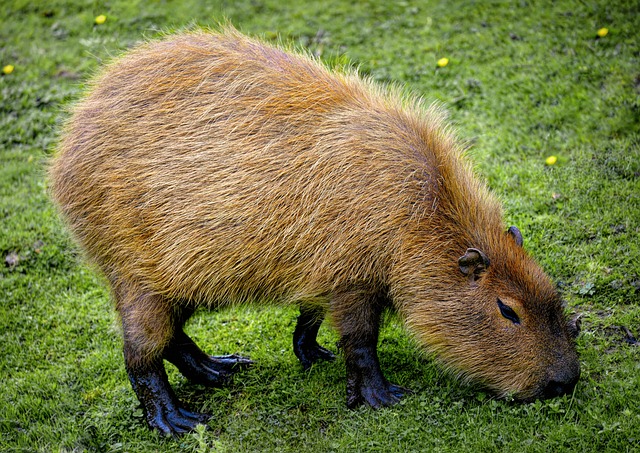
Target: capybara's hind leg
column 305, row 345
column 162, row 408
column 149, row 324
column 200, row 367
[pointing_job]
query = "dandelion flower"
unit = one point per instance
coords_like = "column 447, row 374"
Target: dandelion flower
column 8, row 69
column 442, row 62
column 603, row 32
column 101, row 19
column 551, row 160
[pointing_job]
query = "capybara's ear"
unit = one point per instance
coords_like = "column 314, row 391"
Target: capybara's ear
column 517, row 236
column 473, row 263
column 574, row 325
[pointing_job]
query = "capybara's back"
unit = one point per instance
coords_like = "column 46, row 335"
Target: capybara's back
column 210, row 169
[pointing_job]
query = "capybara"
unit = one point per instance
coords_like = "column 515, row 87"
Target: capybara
column 208, row 169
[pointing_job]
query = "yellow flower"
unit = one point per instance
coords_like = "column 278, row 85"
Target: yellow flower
column 603, row 32
column 551, row 160
column 8, row 69
column 442, row 62
column 101, row 19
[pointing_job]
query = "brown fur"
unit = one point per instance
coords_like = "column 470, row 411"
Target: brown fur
column 212, row 169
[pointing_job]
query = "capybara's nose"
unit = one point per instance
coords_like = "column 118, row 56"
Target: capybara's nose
column 561, row 387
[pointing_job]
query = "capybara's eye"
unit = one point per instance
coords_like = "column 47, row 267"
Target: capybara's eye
column 508, row 312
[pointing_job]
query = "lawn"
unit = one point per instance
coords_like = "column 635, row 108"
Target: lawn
column 523, row 82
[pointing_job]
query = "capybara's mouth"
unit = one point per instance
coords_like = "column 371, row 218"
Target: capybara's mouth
column 553, row 388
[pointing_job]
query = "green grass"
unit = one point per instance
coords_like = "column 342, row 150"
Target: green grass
column 524, row 81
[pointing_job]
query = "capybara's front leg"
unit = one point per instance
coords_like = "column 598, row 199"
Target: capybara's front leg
column 305, row 345
column 357, row 315
column 365, row 382
column 149, row 323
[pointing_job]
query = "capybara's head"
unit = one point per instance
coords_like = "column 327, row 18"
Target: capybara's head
column 502, row 323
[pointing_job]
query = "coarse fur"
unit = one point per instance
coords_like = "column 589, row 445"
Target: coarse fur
column 209, row 169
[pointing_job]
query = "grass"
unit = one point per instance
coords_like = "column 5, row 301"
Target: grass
column 524, row 81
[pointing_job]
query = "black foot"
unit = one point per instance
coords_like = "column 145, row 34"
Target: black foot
column 201, row 368
column 382, row 394
column 162, row 408
column 305, row 345
column 176, row 421
column 212, row 371
column 365, row 382
column 231, row 363
column 309, row 354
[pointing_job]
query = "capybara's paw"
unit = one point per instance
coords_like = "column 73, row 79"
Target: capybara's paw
column 210, row 370
column 308, row 355
column 230, row 363
column 376, row 394
column 176, row 421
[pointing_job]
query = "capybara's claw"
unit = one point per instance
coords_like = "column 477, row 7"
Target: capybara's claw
column 309, row 355
column 176, row 421
column 231, row 363
column 376, row 395
column 383, row 396
column 399, row 391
